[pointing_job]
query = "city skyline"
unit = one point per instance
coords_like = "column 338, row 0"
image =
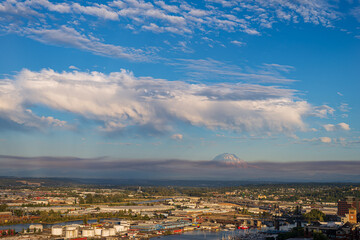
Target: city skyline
column 151, row 82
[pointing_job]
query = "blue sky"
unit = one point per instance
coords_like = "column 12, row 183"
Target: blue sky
column 267, row 80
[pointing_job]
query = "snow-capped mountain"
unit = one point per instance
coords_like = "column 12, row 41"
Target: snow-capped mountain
column 231, row 160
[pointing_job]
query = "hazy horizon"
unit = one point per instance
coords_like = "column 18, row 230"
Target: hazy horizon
column 177, row 169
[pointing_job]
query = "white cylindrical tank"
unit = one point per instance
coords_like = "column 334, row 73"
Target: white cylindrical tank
column 98, row 231
column 56, row 230
column 36, row 227
column 87, row 232
column 119, row 228
column 126, row 225
column 71, row 232
column 105, row 233
column 112, row 231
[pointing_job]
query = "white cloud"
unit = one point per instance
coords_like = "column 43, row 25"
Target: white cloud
column 329, row 127
column 344, row 107
column 322, row 111
column 98, row 10
column 53, row 121
column 246, row 16
column 238, row 43
column 69, row 37
column 325, row 139
column 278, row 67
column 251, row 31
column 182, row 46
column 354, row 141
column 210, row 69
column 177, row 136
column 12, row 109
column 169, row 8
column 344, row 126
column 356, row 13
column 198, row 12
column 339, row 126
column 120, row 100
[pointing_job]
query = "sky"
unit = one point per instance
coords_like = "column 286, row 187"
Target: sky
column 152, row 82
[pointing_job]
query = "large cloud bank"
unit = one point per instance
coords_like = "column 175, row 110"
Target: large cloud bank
column 119, row 100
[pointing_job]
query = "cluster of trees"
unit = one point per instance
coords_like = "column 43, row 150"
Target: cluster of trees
column 3, row 207
column 35, row 205
column 101, row 198
column 244, row 211
column 314, row 215
column 173, row 191
column 294, row 233
column 298, row 232
column 52, row 216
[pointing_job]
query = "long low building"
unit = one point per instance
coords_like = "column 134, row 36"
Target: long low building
column 136, row 209
column 161, row 226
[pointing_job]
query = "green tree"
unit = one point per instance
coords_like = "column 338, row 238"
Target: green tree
column 89, row 199
column 320, row 236
column 3, row 207
column 315, row 215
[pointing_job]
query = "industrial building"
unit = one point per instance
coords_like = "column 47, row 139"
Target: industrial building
column 345, row 205
column 161, row 226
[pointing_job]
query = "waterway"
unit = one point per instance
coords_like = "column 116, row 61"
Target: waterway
column 198, row 235
column 194, row 235
column 20, row 227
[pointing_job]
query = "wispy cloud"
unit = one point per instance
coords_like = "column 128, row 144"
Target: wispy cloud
column 339, row 126
column 69, row 37
column 325, row 139
column 349, row 142
column 210, row 69
column 344, row 107
column 177, row 136
column 356, row 13
column 250, row 17
column 97, row 10
column 238, row 43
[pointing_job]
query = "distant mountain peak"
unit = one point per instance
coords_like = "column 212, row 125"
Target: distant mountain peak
column 231, row 160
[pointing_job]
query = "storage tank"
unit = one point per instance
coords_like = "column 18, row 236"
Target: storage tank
column 126, row 225
column 119, row 228
column 36, row 228
column 56, row 230
column 105, row 233
column 98, row 231
column 88, row 232
column 71, row 232
column 112, row 231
